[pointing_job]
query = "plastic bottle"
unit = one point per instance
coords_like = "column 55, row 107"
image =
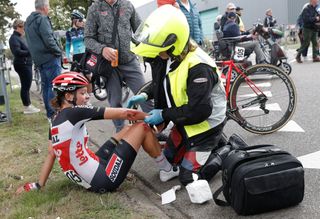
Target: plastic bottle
column 114, row 63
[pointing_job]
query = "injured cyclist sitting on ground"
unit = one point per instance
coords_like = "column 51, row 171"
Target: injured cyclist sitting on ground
column 231, row 29
column 106, row 169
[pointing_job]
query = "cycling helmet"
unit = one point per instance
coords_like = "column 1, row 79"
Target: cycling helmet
column 69, row 81
column 75, row 14
column 166, row 29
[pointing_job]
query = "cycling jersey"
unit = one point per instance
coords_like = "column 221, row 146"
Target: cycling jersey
column 100, row 172
column 74, row 38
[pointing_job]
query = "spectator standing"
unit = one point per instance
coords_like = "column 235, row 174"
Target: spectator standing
column 300, row 33
column 310, row 17
column 98, row 37
column 269, row 20
column 239, row 19
column 22, row 64
column 44, row 49
column 230, row 8
column 193, row 18
column 75, row 36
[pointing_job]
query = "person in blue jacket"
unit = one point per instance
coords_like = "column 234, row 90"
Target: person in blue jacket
column 22, row 64
column 75, row 36
column 193, row 17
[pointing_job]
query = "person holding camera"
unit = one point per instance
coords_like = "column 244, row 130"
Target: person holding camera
column 310, row 18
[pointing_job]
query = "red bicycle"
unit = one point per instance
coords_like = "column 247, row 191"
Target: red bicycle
column 260, row 98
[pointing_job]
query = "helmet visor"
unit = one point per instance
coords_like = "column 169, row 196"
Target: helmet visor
column 143, row 35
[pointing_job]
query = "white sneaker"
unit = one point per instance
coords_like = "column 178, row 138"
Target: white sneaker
column 167, row 175
column 30, row 109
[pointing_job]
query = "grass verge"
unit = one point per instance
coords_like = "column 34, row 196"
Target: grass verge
column 19, row 146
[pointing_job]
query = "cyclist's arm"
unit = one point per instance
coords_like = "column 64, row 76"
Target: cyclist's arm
column 124, row 113
column 200, row 82
column 47, row 166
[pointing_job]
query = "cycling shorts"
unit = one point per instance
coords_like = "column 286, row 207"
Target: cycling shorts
column 116, row 159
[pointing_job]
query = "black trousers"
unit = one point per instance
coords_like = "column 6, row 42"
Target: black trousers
column 25, row 74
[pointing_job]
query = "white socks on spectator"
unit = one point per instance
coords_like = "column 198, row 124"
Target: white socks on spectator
column 163, row 163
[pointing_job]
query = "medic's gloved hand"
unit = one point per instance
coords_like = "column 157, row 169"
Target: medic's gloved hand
column 137, row 99
column 31, row 186
column 155, row 117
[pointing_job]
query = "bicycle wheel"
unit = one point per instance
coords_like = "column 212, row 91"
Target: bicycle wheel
column 286, row 67
column 264, row 101
column 99, row 88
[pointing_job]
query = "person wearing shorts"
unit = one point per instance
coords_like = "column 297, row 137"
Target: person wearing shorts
column 105, row 170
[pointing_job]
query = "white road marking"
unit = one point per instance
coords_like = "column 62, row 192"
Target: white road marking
column 291, row 126
column 311, row 161
column 268, row 84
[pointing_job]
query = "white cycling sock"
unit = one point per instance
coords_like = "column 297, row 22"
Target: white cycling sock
column 163, row 163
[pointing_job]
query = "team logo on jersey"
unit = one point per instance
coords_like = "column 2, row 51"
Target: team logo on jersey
column 80, row 154
column 54, row 135
column 113, row 167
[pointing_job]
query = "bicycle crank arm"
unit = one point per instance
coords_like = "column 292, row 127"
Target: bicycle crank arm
column 262, row 99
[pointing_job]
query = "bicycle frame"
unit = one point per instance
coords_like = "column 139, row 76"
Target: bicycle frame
column 232, row 65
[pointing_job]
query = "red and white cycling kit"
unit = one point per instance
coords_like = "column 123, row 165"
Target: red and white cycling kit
column 100, row 172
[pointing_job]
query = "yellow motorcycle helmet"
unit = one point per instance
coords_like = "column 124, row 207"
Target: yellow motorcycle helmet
column 165, row 29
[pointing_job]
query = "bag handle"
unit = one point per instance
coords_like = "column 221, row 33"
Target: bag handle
column 219, row 201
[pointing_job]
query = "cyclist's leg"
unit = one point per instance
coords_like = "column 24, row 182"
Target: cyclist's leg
column 114, row 97
column 134, row 78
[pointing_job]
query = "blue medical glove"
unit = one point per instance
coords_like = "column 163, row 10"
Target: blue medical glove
column 137, row 99
column 155, row 117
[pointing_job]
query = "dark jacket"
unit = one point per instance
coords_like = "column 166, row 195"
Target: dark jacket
column 99, row 27
column 19, row 50
column 183, row 115
column 309, row 15
column 269, row 21
column 42, row 43
column 231, row 29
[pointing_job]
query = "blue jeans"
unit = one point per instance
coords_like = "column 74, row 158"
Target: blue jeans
column 48, row 71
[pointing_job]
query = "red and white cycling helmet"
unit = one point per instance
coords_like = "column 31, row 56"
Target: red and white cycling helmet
column 69, row 81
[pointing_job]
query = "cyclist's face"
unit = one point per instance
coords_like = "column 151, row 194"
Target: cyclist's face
column 82, row 96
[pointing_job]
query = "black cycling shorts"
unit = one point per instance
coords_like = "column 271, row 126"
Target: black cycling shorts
column 116, row 159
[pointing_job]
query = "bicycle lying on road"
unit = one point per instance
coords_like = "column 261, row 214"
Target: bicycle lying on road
column 261, row 98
